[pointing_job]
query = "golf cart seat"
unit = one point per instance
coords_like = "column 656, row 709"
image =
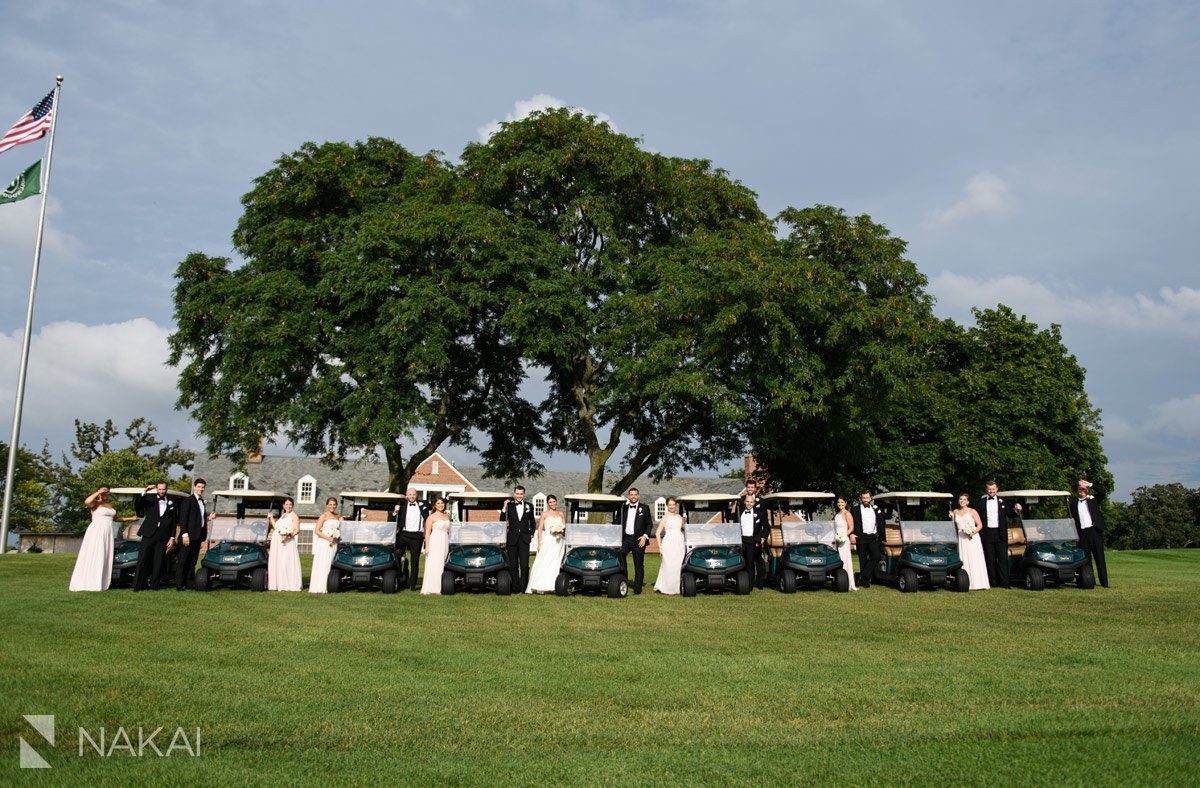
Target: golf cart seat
column 1016, row 541
column 893, row 542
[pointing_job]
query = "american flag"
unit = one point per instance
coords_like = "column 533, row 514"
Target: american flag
column 33, row 125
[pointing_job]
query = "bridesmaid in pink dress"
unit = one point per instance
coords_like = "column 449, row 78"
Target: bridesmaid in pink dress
column 283, row 560
column 93, row 567
column 437, row 546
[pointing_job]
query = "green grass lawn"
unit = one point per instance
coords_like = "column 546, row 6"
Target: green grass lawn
column 997, row 687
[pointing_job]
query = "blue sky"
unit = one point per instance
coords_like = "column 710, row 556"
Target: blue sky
column 1039, row 154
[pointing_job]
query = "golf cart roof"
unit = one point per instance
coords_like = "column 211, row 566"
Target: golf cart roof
column 707, row 498
column 250, row 495
column 372, row 495
column 479, row 495
column 1036, row 494
column 594, row 497
column 140, row 490
column 893, row 496
column 796, row 496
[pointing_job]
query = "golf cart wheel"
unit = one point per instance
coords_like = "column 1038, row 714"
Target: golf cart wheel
column 562, row 584
column 1086, row 577
column 841, row 581
column 391, row 581
column 503, row 582
column 448, row 588
column 687, row 584
column 203, row 580
column 258, row 580
column 741, row 583
column 908, row 580
column 333, row 583
column 787, row 581
column 962, row 580
column 618, row 587
column 1035, row 579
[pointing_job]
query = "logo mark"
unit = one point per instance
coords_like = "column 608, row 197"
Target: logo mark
column 44, row 725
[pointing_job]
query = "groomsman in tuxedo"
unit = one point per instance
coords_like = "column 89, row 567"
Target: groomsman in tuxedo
column 867, row 538
column 751, row 515
column 194, row 518
column 518, row 513
column 157, row 532
column 410, row 533
column 994, row 511
column 637, row 525
column 1089, row 522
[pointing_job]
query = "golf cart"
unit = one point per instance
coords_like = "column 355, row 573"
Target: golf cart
column 366, row 558
column 918, row 551
column 592, row 550
column 239, row 555
column 713, row 560
column 809, row 554
column 478, row 558
column 125, row 539
column 1046, row 550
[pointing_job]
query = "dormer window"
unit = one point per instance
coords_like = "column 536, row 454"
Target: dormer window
column 239, row 481
column 306, row 489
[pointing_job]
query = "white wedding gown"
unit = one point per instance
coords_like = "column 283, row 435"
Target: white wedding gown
column 322, row 553
column 971, row 551
column 548, row 560
column 844, row 549
column 93, row 567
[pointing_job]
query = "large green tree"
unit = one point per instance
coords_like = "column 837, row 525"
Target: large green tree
column 33, row 499
column 1157, row 516
column 633, row 356
column 369, row 312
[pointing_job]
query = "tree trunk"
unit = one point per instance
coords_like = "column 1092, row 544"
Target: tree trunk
column 398, row 473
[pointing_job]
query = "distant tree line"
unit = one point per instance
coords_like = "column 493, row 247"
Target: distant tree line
column 1158, row 516
column 391, row 303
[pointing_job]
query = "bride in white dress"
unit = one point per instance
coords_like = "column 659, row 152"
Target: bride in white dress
column 549, row 550
column 283, row 559
column 93, row 567
column 324, row 547
column 843, row 526
column 671, row 549
column 968, row 525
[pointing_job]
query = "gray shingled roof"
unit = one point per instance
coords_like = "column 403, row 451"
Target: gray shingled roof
column 281, row 474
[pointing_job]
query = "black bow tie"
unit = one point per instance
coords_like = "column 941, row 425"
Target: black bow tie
column 412, row 504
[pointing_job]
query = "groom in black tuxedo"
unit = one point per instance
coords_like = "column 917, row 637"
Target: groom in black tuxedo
column 518, row 514
column 410, row 533
column 994, row 512
column 194, row 518
column 751, row 516
column 637, row 525
column 1089, row 524
column 869, row 518
column 157, row 532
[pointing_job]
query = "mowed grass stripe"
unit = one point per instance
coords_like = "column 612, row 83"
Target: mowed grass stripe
column 996, row 687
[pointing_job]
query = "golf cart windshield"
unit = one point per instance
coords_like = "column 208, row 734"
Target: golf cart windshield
column 593, row 535
column 230, row 529
column 928, row 532
column 702, row 534
column 478, row 533
column 1049, row 530
column 808, row 533
column 368, row 532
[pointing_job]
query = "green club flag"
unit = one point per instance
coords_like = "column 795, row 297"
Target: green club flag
column 24, row 185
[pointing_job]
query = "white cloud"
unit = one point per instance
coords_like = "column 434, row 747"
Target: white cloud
column 984, row 194
column 1173, row 312
column 1177, row 417
column 93, row 373
column 18, row 232
column 526, row 107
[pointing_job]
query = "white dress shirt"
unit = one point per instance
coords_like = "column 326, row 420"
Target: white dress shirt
column 1085, row 514
column 412, row 521
column 630, row 518
column 520, row 510
column 747, row 523
column 200, row 503
column 868, row 520
column 162, row 506
column 993, row 512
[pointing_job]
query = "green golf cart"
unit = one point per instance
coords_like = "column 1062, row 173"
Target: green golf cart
column 921, row 548
column 125, row 539
column 1046, row 550
column 366, row 558
column 713, row 560
column 808, row 554
column 237, row 552
column 592, row 547
column 478, row 557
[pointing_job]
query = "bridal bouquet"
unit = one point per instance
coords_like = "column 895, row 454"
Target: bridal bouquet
column 333, row 532
column 558, row 529
column 286, row 530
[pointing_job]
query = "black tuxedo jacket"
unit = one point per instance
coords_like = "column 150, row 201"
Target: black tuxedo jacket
column 154, row 526
column 192, row 521
column 519, row 528
column 1006, row 511
column 402, row 517
column 762, row 525
column 1092, row 502
column 881, row 515
column 643, row 523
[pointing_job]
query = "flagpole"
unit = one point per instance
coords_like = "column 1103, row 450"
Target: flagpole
column 14, row 446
